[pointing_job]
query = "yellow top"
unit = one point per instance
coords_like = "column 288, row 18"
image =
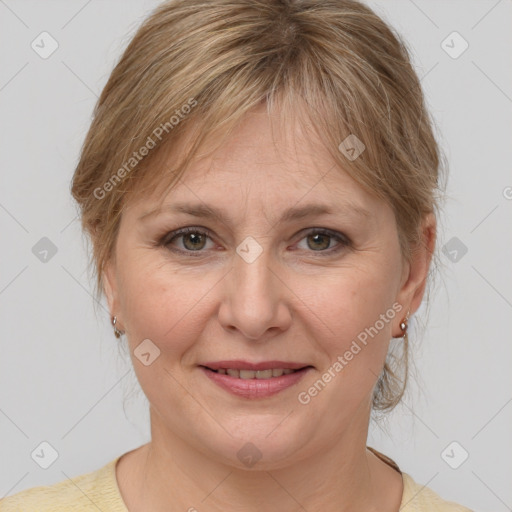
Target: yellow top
column 98, row 490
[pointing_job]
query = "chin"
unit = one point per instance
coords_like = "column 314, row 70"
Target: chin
column 259, row 444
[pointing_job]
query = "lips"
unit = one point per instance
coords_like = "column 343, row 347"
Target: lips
column 255, row 380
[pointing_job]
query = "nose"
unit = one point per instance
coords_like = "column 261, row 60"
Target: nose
column 256, row 298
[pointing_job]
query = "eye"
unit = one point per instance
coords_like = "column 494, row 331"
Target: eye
column 320, row 240
column 192, row 240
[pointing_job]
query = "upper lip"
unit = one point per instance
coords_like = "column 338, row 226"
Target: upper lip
column 246, row 365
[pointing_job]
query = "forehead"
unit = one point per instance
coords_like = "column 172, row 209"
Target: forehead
column 270, row 160
column 268, row 149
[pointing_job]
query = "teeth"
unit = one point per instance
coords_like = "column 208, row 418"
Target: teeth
column 264, row 374
column 255, row 374
column 247, row 374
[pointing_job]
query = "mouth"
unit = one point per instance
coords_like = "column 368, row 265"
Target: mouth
column 255, row 380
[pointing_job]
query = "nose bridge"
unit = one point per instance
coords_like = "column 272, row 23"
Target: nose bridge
column 251, row 270
column 253, row 305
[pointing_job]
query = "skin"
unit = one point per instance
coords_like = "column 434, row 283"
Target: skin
column 298, row 301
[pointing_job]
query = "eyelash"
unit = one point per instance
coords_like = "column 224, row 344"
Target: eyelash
column 166, row 240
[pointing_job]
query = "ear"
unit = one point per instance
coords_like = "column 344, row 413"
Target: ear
column 414, row 277
column 110, row 287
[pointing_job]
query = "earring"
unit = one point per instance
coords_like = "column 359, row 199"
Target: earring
column 117, row 332
column 404, row 324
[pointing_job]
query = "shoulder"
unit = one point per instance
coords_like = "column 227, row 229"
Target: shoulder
column 419, row 498
column 92, row 491
column 416, row 497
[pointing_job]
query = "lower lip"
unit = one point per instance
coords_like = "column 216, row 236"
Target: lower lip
column 255, row 388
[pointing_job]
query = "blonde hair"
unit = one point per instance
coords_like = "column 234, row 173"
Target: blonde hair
column 195, row 67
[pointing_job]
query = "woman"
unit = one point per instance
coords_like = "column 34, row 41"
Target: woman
column 259, row 184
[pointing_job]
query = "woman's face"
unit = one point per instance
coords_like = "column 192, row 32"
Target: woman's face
column 267, row 285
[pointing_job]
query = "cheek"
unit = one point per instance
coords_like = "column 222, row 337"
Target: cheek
column 357, row 314
column 169, row 309
column 354, row 301
column 163, row 304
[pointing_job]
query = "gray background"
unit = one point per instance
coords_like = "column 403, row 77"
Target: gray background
column 65, row 380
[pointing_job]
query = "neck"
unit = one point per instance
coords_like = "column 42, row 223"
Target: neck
column 344, row 477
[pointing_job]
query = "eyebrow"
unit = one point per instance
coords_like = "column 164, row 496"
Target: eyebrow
column 202, row 210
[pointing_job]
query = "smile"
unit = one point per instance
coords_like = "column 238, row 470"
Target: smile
column 255, row 374
column 253, row 381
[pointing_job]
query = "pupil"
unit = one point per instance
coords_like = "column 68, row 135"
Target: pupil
column 320, row 236
column 196, row 239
